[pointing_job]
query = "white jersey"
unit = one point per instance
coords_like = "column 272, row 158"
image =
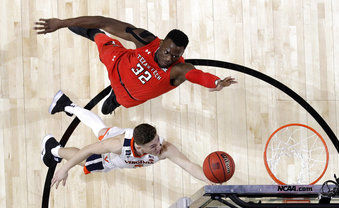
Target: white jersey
column 127, row 158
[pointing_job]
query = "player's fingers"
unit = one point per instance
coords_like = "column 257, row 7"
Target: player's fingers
column 57, row 184
column 42, row 19
column 64, row 182
column 39, row 28
column 45, row 31
column 41, row 32
column 228, row 79
column 225, row 83
column 52, row 182
column 40, row 23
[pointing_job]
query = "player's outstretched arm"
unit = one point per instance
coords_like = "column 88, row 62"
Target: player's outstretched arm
column 105, row 146
column 173, row 154
column 186, row 71
column 115, row 27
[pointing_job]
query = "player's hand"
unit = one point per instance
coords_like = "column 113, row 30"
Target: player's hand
column 47, row 25
column 224, row 83
column 60, row 175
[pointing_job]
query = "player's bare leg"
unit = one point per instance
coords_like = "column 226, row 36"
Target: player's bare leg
column 62, row 103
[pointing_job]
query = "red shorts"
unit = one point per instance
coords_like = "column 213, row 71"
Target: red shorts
column 109, row 49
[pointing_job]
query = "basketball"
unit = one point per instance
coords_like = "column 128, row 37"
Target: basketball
column 218, row 167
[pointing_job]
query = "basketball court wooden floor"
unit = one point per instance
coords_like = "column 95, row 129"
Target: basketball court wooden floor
column 294, row 42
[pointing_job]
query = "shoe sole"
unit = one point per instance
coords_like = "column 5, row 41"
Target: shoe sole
column 55, row 100
column 43, row 143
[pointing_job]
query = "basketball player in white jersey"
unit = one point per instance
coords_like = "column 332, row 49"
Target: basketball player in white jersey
column 117, row 148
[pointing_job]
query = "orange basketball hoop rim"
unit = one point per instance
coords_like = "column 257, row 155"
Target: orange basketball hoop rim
column 288, row 125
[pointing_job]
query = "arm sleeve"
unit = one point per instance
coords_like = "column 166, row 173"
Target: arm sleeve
column 202, row 78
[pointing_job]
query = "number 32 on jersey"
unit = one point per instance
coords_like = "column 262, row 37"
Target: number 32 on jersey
column 143, row 75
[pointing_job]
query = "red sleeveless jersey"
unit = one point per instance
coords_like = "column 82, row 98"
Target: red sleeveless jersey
column 135, row 76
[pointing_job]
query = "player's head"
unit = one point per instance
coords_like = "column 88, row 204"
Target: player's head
column 146, row 139
column 171, row 48
column 178, row 37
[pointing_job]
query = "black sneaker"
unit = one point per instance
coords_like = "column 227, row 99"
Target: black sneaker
column 110, row 104
column 84, row 32
column 60, row 101
column 47, row 144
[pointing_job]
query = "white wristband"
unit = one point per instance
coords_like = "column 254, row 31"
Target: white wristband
column 216, row 82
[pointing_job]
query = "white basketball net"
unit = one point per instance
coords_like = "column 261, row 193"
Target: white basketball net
column 296, row 155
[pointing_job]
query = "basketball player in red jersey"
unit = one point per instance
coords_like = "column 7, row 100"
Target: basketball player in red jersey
column 155, row 67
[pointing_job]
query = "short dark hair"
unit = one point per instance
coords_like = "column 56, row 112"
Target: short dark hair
column 178, row 37
column 144, row 133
